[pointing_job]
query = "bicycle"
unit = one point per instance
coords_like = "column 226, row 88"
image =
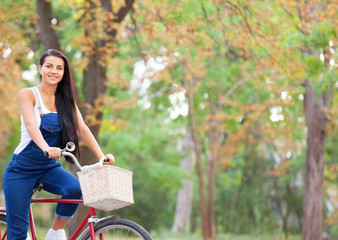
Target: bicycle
column 110, row 227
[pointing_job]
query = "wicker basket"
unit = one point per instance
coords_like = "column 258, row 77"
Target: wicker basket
column 106, row 187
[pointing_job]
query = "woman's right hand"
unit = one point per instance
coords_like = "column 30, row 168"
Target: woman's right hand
column 53, row 152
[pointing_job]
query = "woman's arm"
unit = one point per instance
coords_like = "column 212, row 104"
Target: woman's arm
column 87, row 136
column 26, row 102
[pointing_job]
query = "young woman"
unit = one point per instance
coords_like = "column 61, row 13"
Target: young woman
column 49, row 119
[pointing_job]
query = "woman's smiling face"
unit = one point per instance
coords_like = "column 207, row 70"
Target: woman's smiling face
column 52, row 70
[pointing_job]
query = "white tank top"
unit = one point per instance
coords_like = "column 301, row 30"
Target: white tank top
column 25, row 138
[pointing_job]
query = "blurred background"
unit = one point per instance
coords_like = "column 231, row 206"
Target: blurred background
column 225, row 111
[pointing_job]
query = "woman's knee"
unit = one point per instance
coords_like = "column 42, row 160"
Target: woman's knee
column 73, row 190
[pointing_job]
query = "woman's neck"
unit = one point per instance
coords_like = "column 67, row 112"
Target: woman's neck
column 47, row 89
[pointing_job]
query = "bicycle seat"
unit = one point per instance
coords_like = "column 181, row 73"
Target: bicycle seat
column 38, row 187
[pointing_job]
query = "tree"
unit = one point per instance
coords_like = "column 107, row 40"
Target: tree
column 314, row 25
column 257, row 50
column 307, row 30
column 100, row 22
column 196, row 49
column 317, row 113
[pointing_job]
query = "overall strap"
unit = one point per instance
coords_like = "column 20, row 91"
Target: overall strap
column 38, row 100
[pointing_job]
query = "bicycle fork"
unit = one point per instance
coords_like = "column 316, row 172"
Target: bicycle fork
column 90, row 219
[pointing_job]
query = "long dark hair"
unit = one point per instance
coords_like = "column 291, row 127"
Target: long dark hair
column 65, row 103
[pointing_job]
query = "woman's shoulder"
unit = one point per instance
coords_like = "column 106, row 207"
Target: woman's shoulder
column 26, row 91
column 27, row 94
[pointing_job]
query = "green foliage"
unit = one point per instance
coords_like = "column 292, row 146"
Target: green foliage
column 320, row 36
column 146, row 140
column 314, row 64
column 245, row 196
column 146, row 149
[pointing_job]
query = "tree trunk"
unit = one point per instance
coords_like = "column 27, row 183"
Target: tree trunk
column 312, row 203
column 206, row 228
column 48, row 36
column 215, row 139
column 211, row 185
column 185, row 194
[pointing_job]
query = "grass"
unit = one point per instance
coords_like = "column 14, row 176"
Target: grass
column 188, row 236
column 182, row 236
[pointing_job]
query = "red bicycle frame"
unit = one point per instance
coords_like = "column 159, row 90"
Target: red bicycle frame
column 88, row 219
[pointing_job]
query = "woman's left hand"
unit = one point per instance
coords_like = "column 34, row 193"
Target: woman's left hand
column 111, row 159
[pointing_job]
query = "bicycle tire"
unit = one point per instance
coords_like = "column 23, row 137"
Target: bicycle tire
column 3, row 225
column 119, row 229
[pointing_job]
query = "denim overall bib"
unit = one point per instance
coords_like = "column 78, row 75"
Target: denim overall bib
column 29, row 167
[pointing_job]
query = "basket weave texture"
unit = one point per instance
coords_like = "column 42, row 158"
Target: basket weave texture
column 106, row 187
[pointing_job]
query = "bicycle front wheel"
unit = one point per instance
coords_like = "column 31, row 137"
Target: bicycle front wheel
column 121, row 229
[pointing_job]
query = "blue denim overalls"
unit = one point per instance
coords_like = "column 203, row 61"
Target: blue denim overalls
column 29, row 167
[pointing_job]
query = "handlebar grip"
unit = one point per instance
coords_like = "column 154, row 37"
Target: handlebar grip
column 46, row 154
column 106, row 159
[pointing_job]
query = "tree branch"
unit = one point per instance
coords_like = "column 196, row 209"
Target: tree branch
column 124, row 10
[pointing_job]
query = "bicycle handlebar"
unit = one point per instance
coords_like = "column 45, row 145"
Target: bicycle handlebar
column 66, row 153
column 76, row 162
